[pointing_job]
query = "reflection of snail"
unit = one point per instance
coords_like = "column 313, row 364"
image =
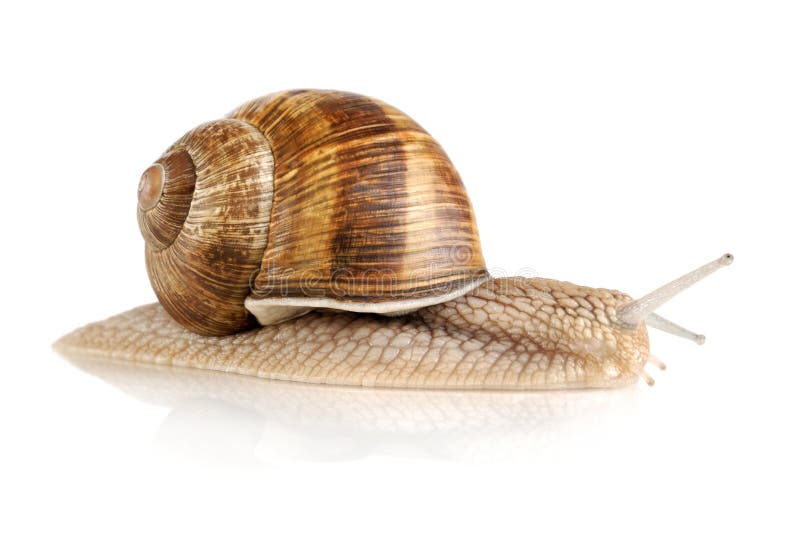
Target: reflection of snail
column 308, row 200
column 213, row 413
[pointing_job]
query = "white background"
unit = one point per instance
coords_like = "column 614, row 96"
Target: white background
column 612, row 144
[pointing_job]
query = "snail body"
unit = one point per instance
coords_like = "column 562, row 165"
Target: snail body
column 510, row 333
column 338, row 224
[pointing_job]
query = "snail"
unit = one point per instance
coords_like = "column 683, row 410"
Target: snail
column 323, row 236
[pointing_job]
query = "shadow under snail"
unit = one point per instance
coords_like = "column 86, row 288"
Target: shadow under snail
column 340, row 226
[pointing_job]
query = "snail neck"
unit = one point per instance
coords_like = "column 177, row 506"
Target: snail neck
column 554, row 319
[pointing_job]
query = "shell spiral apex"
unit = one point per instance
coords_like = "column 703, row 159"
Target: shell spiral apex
column 301, row 200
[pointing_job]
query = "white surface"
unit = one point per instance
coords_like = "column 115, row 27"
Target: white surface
column 612, row 144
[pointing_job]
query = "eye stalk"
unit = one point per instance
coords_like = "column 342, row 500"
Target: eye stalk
column 643, row 309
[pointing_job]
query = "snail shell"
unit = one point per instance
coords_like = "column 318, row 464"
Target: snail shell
column 302, row 200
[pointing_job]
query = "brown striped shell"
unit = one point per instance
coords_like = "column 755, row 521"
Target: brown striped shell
column 302, row 200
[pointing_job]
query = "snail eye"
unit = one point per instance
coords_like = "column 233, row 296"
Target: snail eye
column 150, row 186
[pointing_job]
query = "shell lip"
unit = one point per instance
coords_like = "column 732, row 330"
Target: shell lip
column 261, row 308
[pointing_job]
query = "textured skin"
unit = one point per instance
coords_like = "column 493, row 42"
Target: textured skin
column 510, row 333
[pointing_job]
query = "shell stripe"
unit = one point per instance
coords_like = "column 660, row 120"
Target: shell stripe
column 367, row 207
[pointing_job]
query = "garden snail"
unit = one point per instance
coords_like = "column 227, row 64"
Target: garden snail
column 341, row 226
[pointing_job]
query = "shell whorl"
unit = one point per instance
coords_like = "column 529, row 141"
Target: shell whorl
column 306, row 199
column 165, row 195
column 207, row 232
column 369, row 214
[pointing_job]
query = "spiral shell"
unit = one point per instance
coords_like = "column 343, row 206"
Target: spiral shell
column 306, row 199
column 207, row 233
